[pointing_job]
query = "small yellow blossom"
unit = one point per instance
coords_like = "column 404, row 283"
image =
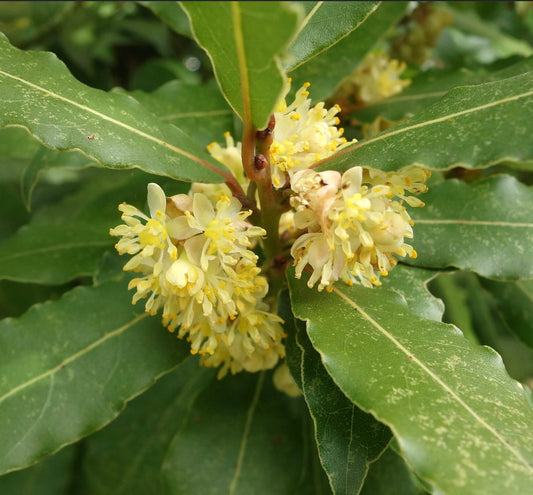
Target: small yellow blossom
column 195, row 263
column 355, row 225
column 377, row 77
column 302, row 136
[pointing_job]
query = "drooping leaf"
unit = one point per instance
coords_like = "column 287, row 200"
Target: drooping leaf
column 128, row 455
column 110, row 128
column 484, row 226
column 461, row 422
column 49, row 477
column 242, row 434
column 432, row 85
column 326, row 70
column 471, row 126
column 326, row 24
column 348, row 439
column 515, row 303
column 67, row 368
column 245, row 42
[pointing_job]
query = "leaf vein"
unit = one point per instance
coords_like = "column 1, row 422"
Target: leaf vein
column 73, row 358
column 434, row 377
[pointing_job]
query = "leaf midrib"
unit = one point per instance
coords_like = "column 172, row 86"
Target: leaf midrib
column 73, row 357
column 113, row 121
column 451, row 393
column 426, row 123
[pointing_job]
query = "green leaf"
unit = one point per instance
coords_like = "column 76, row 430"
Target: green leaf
column 110, row 128
column 171, row 14
column 17, row 148
column 448, row 287
column 67, row 240
column 430, row 86
column 411, row 283
column 46, row 159
column 348, row 439
column 389, row 475
column 128, row 455
column 242, row 435
column 461, row 422
column 484, row 226
column 325, row 25
column 326, row 70
column 52, row 476
column 515, row 304
column 245, row 41
column 493, row 331
column 472, row 126
column 200, row 111
column 67, row 368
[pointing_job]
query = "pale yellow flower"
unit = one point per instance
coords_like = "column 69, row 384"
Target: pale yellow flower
column 355, row 226
column 303, row 135
column 377, row 77
column 196, row 265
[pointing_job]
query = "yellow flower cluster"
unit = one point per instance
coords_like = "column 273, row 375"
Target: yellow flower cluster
column 194, row 252
column 303, row 135
column 196, row 264
column 355, row 222
column 377, row 77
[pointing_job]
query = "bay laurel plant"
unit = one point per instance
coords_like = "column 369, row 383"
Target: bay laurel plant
column 318, row 279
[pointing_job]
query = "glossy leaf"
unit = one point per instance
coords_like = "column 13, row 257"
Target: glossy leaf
column 67, row 368
column 484, row 226
column 461, row 422
column 127, row 456
column 515, row 303
column 110, row 128
column 348, row 439
column 245, row 42
column 326, row 70
column 326, row 24
column 471, row 126
column 242, row 434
